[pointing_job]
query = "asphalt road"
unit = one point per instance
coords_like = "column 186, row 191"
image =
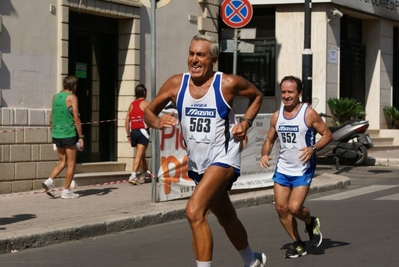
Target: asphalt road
column 359, row 226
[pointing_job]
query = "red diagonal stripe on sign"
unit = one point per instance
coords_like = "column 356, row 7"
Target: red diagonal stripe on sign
column 236, row 11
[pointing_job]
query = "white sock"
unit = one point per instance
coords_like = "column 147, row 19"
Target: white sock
column 66, row 190
column 204, row 263
column 134, row 174
column 247, row 256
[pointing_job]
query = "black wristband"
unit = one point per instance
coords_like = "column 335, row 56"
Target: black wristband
column 128, row 136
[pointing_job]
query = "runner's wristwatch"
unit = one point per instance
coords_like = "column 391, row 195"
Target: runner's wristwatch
column 248, row 121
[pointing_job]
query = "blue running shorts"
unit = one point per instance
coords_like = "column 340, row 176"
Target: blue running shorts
column 197, row 177
column 294, row 181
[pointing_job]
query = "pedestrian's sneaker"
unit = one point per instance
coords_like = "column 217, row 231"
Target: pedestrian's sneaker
column 148, row 177
column 133, row 180
column 68, row 194
column 296, row 249
column 313, row 229
column 48, row 185
column 260, row 260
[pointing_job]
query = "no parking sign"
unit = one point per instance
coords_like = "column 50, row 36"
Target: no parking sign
column 236, row 13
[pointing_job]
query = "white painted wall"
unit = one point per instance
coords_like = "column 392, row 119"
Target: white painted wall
column 173, row 35
column 28, row 43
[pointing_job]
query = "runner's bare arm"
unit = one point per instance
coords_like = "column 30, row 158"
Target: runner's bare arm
column 167, row 93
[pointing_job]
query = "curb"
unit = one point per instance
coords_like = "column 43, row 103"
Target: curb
column 394, row 162
column 175, row 212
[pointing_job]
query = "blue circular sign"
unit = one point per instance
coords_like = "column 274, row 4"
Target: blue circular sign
column 236, row 13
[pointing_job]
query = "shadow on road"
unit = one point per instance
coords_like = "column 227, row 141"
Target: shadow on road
column 327, row 244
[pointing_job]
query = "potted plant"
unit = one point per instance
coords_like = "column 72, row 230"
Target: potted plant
column 344, row 109
column 392, row 114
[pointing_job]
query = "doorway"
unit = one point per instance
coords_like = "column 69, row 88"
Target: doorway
column 93, row 59
column 353, row 60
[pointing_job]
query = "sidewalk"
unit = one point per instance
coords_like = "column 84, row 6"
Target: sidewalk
column 32, row 219
column 384, row 157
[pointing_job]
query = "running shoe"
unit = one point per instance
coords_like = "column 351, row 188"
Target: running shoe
column 68, row 194
column 260, row 260
column 313, row 229
column 48, row 185
column 296, row 249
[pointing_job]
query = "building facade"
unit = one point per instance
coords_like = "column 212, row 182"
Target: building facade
column 43, row 41
column 107, row 44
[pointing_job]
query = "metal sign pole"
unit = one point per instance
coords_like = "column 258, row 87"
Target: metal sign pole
column 154, row 139
column 235, row 42
column 307, row 56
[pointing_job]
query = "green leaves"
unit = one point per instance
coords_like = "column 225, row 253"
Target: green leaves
column 393, row 115
column 344, row 109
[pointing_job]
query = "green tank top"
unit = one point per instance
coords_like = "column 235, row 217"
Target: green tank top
column 63, row 125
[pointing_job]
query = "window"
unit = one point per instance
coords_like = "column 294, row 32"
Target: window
column 256, row 64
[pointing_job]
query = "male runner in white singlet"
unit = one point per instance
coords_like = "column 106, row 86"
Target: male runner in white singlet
column 295, row 125
column 203, row 99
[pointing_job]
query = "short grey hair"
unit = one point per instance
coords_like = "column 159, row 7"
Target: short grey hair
column 214, row 49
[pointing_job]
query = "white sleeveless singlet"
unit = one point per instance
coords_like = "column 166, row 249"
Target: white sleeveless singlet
column 206, row 124
column 293, row 135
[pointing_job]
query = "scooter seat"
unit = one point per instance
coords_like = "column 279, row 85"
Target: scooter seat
column 333, row 129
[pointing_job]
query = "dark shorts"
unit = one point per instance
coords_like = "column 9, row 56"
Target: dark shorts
column 197, row 177
column 64, row 142
column 139, row 136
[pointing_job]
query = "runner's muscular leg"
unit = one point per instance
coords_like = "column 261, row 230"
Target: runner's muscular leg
column 296, row 201
column 289, row 204
column 205, row 195
column 227, row 217
column 281, row 198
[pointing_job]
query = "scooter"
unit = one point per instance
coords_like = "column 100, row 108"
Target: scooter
column 350, row 142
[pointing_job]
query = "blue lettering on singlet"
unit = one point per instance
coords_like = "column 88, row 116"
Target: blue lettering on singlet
column 201, row 112
column 288, row 128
